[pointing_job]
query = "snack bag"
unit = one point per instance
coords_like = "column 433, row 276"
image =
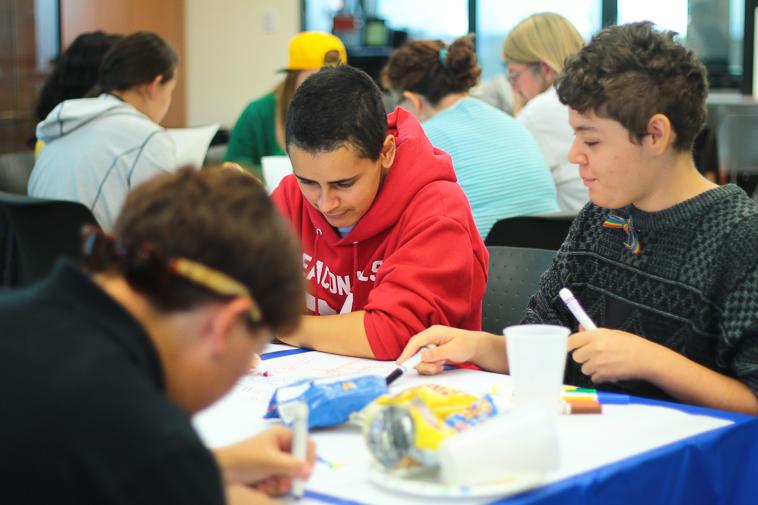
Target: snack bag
column 330, row 401
column 408, row 429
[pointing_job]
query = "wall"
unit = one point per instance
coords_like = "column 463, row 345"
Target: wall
column 164, row 17
column 234, row 48
column 20, row 78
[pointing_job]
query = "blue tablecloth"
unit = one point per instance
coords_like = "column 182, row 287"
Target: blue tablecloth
column 716, row 467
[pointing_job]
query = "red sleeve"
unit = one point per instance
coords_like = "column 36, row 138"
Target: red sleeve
column 433, row 277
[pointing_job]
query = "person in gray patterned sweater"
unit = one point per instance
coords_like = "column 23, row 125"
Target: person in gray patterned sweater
column 663, row 260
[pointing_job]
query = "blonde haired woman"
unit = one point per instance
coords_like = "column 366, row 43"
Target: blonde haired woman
column 535, row 51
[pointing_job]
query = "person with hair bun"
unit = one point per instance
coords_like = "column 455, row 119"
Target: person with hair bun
column 98, row 148
column 535, row 51
column 497, row 162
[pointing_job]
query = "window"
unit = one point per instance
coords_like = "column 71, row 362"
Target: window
column 450, row 19
column 495, row 19
column 714, row 29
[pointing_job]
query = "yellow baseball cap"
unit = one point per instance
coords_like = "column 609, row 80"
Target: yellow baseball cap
column 309, row 50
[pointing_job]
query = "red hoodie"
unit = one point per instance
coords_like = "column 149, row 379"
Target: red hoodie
column 413, row 260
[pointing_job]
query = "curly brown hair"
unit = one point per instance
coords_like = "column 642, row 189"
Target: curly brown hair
column 631, row 72
column 433, row 70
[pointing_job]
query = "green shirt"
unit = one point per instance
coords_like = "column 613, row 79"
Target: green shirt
column 254, row 135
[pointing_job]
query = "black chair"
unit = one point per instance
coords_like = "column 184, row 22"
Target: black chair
column 15, row 169
column 34, row 233
column 514, row 276
column 541, row 232
column 738, row 150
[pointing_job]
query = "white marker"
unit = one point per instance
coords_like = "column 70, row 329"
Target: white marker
column 299, row 444
column 573, row 305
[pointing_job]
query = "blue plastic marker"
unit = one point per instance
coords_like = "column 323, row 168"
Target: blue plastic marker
column 612, row 398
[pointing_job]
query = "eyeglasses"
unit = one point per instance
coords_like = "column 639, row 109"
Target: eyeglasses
column 514, row 76
column 146, row 267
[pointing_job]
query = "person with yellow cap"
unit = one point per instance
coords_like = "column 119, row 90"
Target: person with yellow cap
column 259, row 131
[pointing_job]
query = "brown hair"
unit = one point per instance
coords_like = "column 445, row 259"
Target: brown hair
column 284, row 92
column 135, row 59
column 224, row 220
column 631, row 72
column 429, row 68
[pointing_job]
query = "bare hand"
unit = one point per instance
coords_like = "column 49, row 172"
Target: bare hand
column 239, row 494
column 453, row 346
column 610, row 355
column 265, row 461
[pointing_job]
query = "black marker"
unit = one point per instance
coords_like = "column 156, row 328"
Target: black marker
column 408, row 364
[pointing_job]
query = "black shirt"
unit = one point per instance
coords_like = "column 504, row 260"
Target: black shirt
column 83, row 413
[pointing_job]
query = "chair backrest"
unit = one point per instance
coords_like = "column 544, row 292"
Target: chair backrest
column 514, row 276
column 541, row 232
column 737, row 146
column 215, row 154
column 15, row 169
column 34, row 233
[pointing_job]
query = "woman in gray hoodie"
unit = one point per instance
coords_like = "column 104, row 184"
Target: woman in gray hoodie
column 99, row 148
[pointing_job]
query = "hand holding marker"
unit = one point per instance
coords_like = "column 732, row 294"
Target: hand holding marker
column 408, row 364
column 576, row 405
column 573, row 305
column 568, row 297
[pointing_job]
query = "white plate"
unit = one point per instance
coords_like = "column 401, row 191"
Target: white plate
column 426, row 483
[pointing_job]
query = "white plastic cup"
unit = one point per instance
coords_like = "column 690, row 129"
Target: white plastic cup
column 522, row 442
column 536, row 362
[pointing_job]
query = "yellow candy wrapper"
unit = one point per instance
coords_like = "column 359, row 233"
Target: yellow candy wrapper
column 407, row 429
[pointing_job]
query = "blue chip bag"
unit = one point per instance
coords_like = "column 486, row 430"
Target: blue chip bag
column 330, row 401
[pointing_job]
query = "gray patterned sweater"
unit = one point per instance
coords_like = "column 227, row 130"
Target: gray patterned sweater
column 693, row 287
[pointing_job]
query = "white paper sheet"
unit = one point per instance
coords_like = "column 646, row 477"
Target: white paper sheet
column 275, row 168
column 276, row 348
column 239, row 414
column 192, row 144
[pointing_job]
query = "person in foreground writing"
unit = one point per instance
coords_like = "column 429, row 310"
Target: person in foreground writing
column 389, row 243
column 662, row 260
column 105, row 364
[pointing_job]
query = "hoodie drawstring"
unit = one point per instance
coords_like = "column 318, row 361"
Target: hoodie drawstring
column 347, row 307
column 315, row 259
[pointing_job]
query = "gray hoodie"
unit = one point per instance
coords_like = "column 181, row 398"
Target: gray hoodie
column 96, row 150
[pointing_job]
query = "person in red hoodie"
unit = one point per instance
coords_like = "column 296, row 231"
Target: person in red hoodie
column 389, row 242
